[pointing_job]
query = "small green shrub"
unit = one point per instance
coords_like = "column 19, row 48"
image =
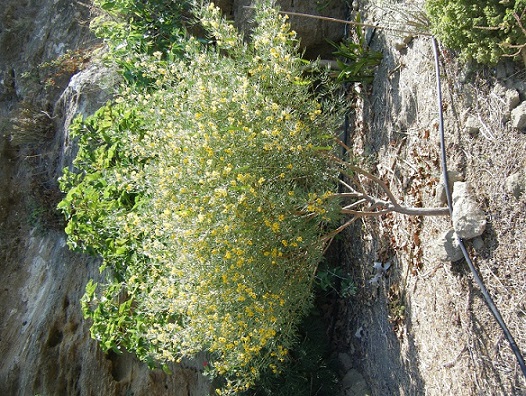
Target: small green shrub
column 334, row 280
column 483, row 30
column 356, row 61
column 207, row 195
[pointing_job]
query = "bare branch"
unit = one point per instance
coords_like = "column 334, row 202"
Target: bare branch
column 357, row 203
column 377, row 181
column 353, row 191
column 412, row 211
column 363, row 213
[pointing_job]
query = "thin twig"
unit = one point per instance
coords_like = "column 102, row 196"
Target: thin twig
column 341, row 143
column 357, row 203
column 353, row 191
column 366, row 25
column 330, row 236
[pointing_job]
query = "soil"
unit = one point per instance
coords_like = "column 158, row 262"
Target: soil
column 426, row 329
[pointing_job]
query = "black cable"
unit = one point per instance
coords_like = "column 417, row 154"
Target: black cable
column 489, row 301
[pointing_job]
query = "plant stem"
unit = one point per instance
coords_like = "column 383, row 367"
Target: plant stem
column 367, row 25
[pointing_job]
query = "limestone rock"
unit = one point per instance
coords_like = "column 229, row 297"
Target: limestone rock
column 472, row 126
column 511, row 99
column 518, row 116
column 508, row 99
column 516, row 184
column 509, row 96
column 446, row 247
column 440, row 192
column 469, row 221
column 345, row 361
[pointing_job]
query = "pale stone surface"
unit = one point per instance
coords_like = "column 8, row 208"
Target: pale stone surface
column 447, row 248
column 440, row 193
column 509, row 96
column 469, row 221
column 511, row 99
column 516, row 184
column 472, row 126
column 518, row 116
column 354, row 384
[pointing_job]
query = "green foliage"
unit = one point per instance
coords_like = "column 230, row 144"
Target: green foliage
column 142, row 26
column 482, row 30
column 356, row 60
column 335, row 280
column 107, row 186
column 207, row 195
column 132, row 27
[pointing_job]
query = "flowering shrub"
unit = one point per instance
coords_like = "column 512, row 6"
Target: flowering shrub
column 482, row 30
column 207, row 196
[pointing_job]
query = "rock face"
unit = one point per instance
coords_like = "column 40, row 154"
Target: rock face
column 354, row 384
column 45, row 343
column 452, row 177
column 516, row 184
column 447, row 247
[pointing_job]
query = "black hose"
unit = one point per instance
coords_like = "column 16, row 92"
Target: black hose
column 480, row 283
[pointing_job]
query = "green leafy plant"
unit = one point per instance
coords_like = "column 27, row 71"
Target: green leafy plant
column 483, row 30
column 335, row 280
column 310, row 370
column 131, row 28
column 356, row 61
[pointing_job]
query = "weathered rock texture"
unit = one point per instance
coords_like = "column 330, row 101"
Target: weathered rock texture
column 447, row 247
column 518, row 116
column 469, row 221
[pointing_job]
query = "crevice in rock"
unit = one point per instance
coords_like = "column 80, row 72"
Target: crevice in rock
column 54, row 337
